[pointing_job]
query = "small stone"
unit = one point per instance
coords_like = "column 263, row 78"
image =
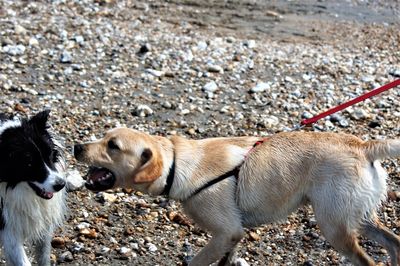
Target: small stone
column 143, row 110
column 289, row 79
column 306, row 115
column 336, row 118
column 210, row 87
column 68, row 71
column 155, row 73
column 178, row 218
column 104, row 250
column 215, row 68
column 79, row 39
column 53, row 259
column 108, row 197
column 260, row 87
column 254, row 236
column 167, row 105
column 33, row 41
column 20, row 108
column 394, row 195
column 374, row 124
column 144, row 48
column 78, row 247
column 18, row 29
column 89, row 233
column 151, row 247
column 14, row 49
column 58, row 242
column 66, row 257
column 359, row 114
column 241, row 262
column 271, row 13
column 395, row 72
column 383, row 251
column 65, row 57
column 124, row 250
column 202, row 45
column 83, row 225
column 271, row 121
column 250, row 44
column 30, row 91
column 74, row 180
column 367, row 79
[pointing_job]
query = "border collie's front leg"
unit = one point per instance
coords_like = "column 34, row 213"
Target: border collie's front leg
column 13, row 248
column 42, row 251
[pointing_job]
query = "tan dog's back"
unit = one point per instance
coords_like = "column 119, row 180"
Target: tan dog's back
column 298, row 167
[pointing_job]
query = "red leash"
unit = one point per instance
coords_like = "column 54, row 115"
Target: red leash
column 351, row 102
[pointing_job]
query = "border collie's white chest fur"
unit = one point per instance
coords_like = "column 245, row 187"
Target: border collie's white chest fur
column 28, row 215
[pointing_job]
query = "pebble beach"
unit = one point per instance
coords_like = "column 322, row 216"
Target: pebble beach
column 198, row 69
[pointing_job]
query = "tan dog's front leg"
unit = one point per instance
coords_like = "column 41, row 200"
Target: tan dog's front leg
column 219, row 245
column 215, row 210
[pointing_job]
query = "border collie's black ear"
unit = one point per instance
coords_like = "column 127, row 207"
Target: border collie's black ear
column 40, row 119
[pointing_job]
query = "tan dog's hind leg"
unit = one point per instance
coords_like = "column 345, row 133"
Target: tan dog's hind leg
column 376, row 231
column 346, row 243
column 339, row 223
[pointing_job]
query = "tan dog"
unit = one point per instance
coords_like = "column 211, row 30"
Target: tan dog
column 339, row 175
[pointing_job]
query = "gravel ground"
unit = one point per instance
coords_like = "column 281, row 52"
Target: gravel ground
column 199, row 69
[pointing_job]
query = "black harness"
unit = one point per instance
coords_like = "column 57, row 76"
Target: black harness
column 234, row 172
column 170, row 179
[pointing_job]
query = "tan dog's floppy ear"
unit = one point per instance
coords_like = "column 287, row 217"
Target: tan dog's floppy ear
column 151, row 169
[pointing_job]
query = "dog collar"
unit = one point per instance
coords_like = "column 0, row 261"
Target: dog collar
column 170, row 178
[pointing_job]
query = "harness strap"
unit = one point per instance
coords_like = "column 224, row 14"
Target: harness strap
column 234, row 172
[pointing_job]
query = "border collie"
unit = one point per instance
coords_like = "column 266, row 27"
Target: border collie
column 31, row 172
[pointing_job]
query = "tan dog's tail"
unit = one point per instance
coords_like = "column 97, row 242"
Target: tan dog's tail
column 382, row 149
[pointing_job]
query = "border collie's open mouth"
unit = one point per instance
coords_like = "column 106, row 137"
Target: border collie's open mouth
column 41, row 192
column 99, row 179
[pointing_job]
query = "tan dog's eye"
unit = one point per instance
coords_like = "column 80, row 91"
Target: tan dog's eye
column 146, row 155
column 112, row 145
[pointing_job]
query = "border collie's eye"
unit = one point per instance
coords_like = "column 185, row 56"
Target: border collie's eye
column 28, row 159
column 112, row 145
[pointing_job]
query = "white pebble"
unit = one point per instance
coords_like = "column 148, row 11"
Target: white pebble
column 261, row 87
column 210, row 86
column 151, row 247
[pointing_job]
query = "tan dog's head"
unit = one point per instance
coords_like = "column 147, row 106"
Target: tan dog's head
column 122, row 158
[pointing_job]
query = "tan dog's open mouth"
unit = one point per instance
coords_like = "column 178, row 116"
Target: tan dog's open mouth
column 99, row 179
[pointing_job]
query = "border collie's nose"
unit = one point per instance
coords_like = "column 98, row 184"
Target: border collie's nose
column 78, row 149
column 59, row 185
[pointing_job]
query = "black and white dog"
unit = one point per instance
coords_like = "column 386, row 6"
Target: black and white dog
column 31, row 172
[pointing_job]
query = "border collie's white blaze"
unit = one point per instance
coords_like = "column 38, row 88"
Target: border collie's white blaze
column 31, row 172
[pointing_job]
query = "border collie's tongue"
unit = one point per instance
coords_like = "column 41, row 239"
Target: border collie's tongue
column 47, row 195
column 41, row 192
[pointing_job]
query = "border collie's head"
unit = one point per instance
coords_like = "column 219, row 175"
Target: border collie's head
column 28, row 154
